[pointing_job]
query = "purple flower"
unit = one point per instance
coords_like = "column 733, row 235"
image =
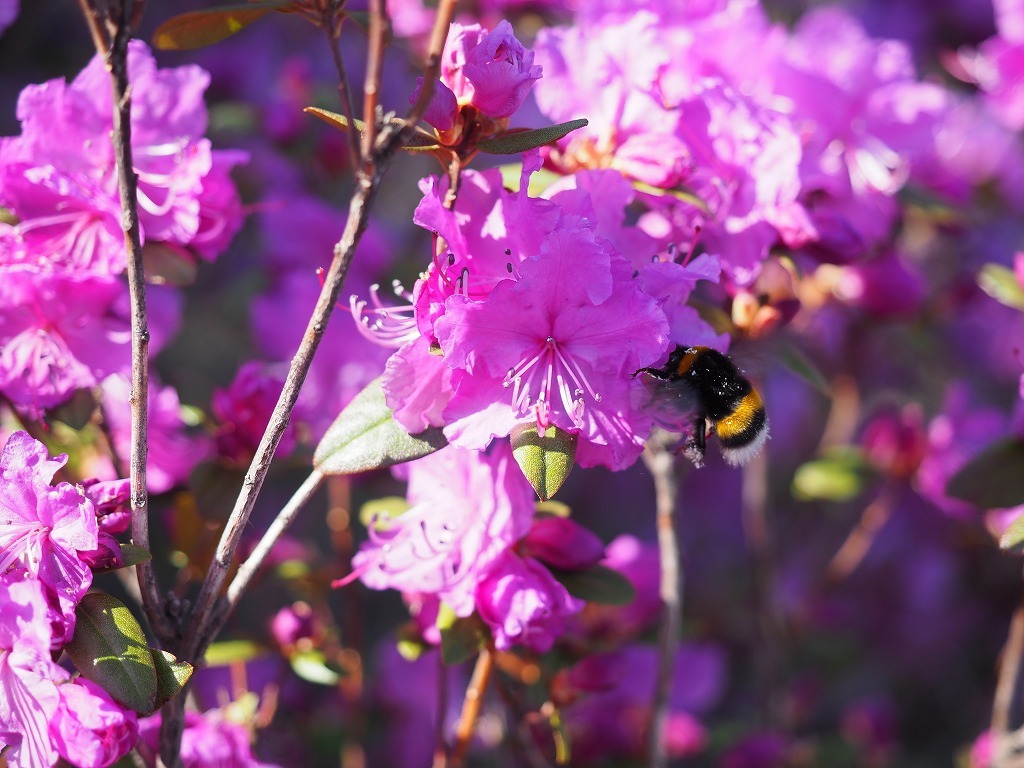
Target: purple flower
column 44, row 527
column 443, row 108
column 8, row 13
column 524, row 604
column 210, row 740
column 59, row 332
column 555, row 347
column 560, row 542
column 28, row 676
column 466, row 509
column 112, row 499
column 173, row 451
column 490, row 70
column 91, row 730
column 501, row 72
column 184, row 195
column 244, row 409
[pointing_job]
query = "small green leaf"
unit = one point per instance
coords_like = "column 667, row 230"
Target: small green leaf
column 512, row 173
column 546, row 459
column 838, row 476
column 417, row 140
column 171, row 675
column 110, row 649
column 231, row 651
column 1001, row 284
column 312, row 667
column 197, row 29
column 366, row 436
column 994, row 479
column 514, row 142
column 377, row 512
column 597, row 584
column 1012, row 539
column 410, row 643
column 462, row 639
column 133, row 554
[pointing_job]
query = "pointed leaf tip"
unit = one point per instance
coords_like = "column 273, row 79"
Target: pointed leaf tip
column 514, row 142
column 366, row 436
column 546, row 459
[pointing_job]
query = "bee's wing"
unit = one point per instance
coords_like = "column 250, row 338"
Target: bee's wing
column 672, row 404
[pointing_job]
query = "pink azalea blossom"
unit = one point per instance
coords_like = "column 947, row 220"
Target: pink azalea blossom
column 28, row 693
column 91, row 730
column 490, row 70
column 59, row 332
column 173, row 450
column 210, row 740
column 555, row 347
column 524, row 604
column 44, row 527
column 467, row 509
column 185, row 197
column 560, row 542
column 244, row 409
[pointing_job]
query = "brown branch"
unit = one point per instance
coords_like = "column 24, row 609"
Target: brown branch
column 659, row 458
column 201, row 625
column 371, row 86
column 1006, row 714
column 111, row 29
column 328, row 14
column 471, row 706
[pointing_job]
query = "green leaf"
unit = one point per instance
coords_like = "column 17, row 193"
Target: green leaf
column 546, row 459
column 197, row 29
column 514, row 142
column 171, row 675
column 110, row 649
column 366, row 436
column 1012, row 539
column 1001, row 284
column 312, row 667
column 994, row 479
column 597, row 584
column 377, row 512
column 417, row 140
column 134, row 554
column 231, row 651
column 462, row 639
column 512, row 173
column 838, row 476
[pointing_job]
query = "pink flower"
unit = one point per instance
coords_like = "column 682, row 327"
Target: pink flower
column 501, row 72
column 490, row 70
column 91, row 730
column 184, row 195
column 44, row 527
column 210, row 740
column 555, row 347
column 244, row 409
column 112, row 499
column 59, row 332
column 560, row 542
column 467, row 509
column 173, row 450
column 28, row 694
column 523, row 603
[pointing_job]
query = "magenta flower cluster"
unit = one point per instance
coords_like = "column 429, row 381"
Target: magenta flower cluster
column 50, row 538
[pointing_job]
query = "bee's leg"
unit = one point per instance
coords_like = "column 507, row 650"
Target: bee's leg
column 694, row 445
column 655, row 372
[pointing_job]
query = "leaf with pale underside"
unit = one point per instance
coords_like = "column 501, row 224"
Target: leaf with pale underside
column 197, row 29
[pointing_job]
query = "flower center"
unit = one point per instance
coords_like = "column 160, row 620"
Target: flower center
column 550, row 373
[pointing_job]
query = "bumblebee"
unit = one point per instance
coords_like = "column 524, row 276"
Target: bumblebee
column 704, row 383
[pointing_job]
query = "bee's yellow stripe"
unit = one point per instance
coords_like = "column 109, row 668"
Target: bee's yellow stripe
column 748, row 417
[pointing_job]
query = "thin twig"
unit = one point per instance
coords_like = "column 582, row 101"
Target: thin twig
column 112, row 44
column 1006, row 713
column 367, row 183
column 858, row 542
column 471, row 706
column 248, row 569
column 440, row 759
column 371, row 85
column 659, row 458
column 333, row 32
